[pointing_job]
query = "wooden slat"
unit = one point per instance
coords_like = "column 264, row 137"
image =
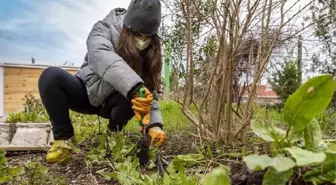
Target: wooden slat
column 17, row 69
column 19, row 86
column 12, row 91
column 28, row 71
column 19, row 79
column 18, row 82
column 25, row 73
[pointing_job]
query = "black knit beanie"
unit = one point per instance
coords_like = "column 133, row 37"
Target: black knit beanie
column 143, row 16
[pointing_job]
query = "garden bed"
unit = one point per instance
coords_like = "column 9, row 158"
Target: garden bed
column 80, row 172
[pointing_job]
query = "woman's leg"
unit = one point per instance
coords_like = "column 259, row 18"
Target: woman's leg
column 118, row 110
column 61, row 91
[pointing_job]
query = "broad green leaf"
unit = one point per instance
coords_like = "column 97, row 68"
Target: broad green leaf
column 324, row 173
column 3, row 158
column 2, row 153
column 294, row 136
column 8, row 174
column 3, row 161
column 313, row 137
column 267, row 131
column 218, row 176
column 282, row 164
column 272, row 177
column 331, row 148
column 147, row 180
column 309, row 101
column 181, row 160
column 107, row 175
column 166, row 179
column 189, row 157
column 5, row 178
column 306, row 157
column 257, row 162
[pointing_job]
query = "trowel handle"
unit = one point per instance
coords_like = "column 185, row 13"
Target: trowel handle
column 142, row 92
column 142, row 95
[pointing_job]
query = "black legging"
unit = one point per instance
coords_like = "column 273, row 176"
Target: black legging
column 61, row 91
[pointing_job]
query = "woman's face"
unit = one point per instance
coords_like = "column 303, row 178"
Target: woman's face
column 142, row 41
column 142, row 37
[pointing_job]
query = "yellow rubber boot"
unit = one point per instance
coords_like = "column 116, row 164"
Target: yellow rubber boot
column 61, row 151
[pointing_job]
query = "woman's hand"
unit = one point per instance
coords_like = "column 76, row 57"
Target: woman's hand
column 142, row 105
column 158, row 137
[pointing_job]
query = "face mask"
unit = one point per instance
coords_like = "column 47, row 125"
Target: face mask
column 141, row 45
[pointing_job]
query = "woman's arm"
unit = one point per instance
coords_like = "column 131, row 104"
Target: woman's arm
column 155, row 113
column 105, row 62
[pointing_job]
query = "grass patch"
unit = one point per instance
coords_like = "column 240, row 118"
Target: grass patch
column 173, row 118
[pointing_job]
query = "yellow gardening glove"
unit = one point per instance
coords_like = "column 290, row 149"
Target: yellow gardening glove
column 142, row 106
column 158, row 137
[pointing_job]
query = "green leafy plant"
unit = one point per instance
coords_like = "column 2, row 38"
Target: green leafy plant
column 30, row 173
column 36, row 174
column 124, row 164
column 7, row 173
column 218, row 176
column 33, row 112
column 301, row 145
column 32, row 104
column 27, row 117
column 177, row 170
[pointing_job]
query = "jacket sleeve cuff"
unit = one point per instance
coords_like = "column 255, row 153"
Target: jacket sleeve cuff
column 153, row 125
column 135, row 89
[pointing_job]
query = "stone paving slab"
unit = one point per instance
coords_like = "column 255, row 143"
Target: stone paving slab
column 30, row 137
column 4, row 134
column 25, row 136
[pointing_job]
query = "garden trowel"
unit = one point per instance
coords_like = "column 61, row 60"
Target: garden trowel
column 144, row 144
column 145, row 140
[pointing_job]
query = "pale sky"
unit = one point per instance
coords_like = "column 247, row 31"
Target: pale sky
column 50, row 31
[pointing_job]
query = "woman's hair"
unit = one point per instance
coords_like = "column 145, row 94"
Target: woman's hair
column 152, row 59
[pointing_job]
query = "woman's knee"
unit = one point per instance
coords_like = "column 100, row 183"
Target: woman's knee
column 50, row 77
column 122, row 112
column 116, row 107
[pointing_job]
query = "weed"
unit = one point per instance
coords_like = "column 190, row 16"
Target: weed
column 33, row 112
column 124, row 165
column 36, row 174
column 302, row 140
column 7, row 173
column 30, row 173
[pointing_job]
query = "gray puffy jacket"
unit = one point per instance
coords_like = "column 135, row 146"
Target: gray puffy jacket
column 104, row 72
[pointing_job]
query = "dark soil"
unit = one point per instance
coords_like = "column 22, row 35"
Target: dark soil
column 76, row 172
column 241, row 175
column 79, row 173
